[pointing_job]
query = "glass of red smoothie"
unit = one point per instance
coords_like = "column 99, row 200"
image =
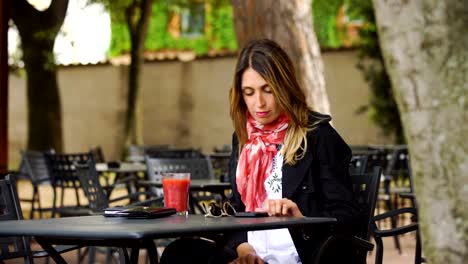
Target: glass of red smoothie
column 176, row 191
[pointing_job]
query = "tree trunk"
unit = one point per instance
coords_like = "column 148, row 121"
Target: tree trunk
column 289, row 23
column 4, row 17
column 38, row 30
column 138, row 16
column 425, row 46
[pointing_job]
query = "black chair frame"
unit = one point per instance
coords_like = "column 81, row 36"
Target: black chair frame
column 365, row 187
column 10, row 209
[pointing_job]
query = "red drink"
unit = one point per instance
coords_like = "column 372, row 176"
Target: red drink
column 176, row 191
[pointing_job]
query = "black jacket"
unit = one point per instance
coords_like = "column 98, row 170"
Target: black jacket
column 319, row 184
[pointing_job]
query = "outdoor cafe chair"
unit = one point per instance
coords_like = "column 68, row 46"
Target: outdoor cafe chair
column 199, row 168
column 98, row 199
column 136, row 153
column 382, row 155
column 358, row 164
column 34, row 167
column 220, row 159
column 365, row 186
column 63, row 177
column 173, row 153
column 413, row 226
column 10, row 209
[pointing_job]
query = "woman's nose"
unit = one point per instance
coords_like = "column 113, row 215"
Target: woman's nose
column 260, row 99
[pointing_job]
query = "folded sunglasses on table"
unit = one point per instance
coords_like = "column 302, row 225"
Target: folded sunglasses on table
column 214, row 210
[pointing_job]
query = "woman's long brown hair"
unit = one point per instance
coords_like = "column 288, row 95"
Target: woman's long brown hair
column 272, row 63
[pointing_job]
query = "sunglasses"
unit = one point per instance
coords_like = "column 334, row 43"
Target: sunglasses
column 214, row 210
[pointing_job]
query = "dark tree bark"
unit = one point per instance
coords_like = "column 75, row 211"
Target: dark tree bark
column 4, row 86
column 37, row 30
column 289, row 23
column 137, row 15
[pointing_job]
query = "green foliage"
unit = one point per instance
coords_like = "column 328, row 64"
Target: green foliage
column 382, row 108
column 158, row 37
column 324, row 18
column 219, row 32
column 120, row 42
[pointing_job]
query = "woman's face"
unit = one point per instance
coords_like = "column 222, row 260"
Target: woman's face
column 259, row 98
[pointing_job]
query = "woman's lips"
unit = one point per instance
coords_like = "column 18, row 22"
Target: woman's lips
column 262, row 114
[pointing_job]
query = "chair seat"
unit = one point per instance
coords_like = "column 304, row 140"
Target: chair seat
column 74, row 211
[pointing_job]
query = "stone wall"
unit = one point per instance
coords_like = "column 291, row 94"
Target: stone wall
column 185, row 104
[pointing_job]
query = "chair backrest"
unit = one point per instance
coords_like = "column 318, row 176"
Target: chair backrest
column 358, row 164
column 62, row 168
column 220, row 162
column 380, row 156
column 89, row 181
column 199, row 168
column 397, row 166
column 10, row 209
column 366, row 187
column 169, row 153
column 35, row 166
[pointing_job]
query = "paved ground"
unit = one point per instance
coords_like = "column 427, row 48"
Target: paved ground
column 391, row 255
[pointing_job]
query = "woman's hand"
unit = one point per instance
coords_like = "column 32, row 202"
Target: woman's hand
column 281, row 207
column 248, row 259
column 247, row 255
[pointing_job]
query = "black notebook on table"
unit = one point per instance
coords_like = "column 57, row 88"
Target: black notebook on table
column 138, row 211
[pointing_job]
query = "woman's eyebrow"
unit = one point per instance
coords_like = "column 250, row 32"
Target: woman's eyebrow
column 249, row 87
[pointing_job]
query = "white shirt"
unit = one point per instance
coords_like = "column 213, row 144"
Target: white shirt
column 274, row 246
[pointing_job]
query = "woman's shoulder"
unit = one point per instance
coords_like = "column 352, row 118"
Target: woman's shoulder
column 319, row 123
column 322, row 132
column 318, row 117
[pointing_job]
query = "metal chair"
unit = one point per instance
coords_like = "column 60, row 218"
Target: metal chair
column 34, row 166
column 199, row 168
column 400, row 229
column 97, row 197
column 63, row 177
column 358, row 164
column 220, row 159
column 173, row 153
column 10, row 209
column 365, row 187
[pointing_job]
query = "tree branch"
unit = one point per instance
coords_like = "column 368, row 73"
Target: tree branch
column 55, row 14
column 23, row 13
column 130, row 13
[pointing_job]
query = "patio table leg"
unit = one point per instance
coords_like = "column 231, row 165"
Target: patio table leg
column 151, row 251
column 135, row 253
column 51, row 250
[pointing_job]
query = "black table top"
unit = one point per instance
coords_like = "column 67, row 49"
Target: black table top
column 100, row 228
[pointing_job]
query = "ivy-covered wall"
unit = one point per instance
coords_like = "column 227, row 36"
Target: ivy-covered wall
column 219, row 28
column 218, row 34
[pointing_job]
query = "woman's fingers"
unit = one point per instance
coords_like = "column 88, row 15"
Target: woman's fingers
column 248, row 259
column 282, row 207
column 285, row 208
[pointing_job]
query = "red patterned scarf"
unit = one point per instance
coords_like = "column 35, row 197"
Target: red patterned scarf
column 256, row 158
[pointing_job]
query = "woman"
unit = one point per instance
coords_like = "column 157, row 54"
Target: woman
column 286, row 160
